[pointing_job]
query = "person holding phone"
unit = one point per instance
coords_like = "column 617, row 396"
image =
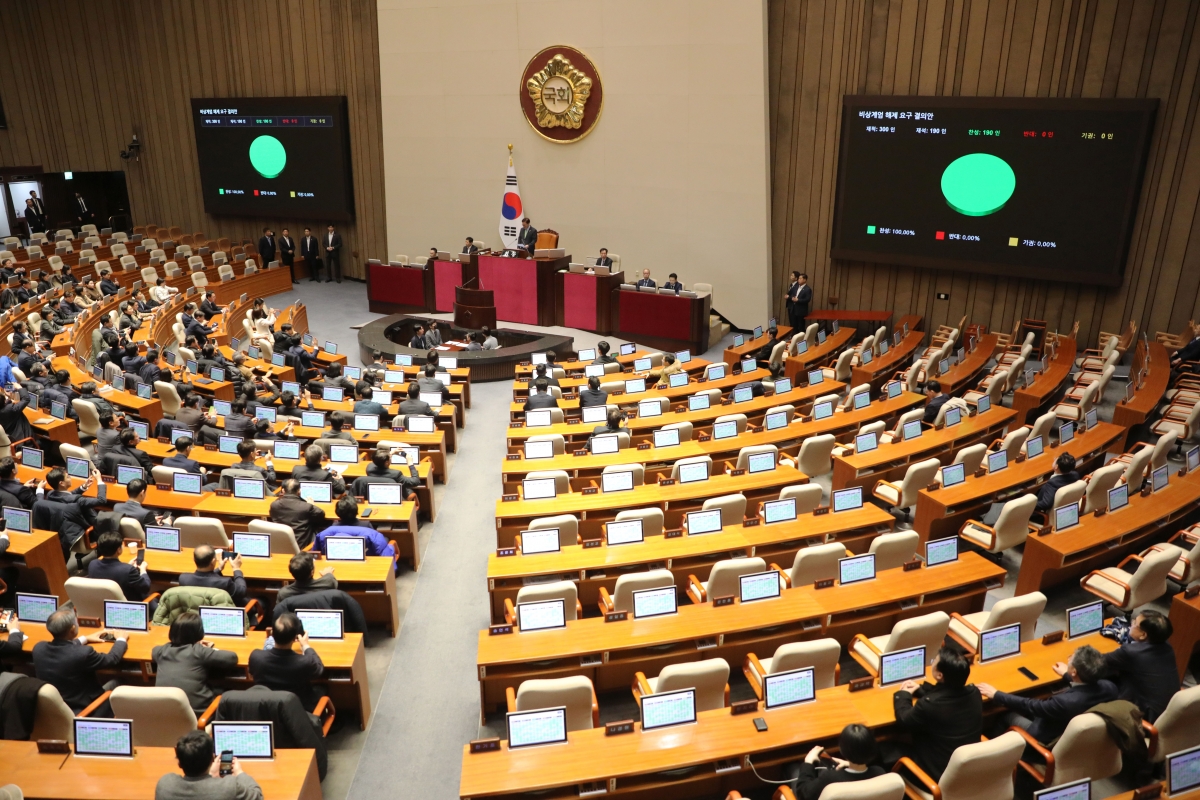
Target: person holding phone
column 134, row 579
column 282, row 669
column 209, row 573
column 203, row 777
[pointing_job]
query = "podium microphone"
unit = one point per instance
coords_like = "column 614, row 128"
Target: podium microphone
column 473, row 278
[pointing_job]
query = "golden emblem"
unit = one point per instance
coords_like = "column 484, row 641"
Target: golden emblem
column 559, row 92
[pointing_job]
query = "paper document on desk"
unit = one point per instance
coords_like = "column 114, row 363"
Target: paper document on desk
column 44, row 421
column 441, row 347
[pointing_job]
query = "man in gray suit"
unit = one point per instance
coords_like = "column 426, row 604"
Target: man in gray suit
column 201, row 778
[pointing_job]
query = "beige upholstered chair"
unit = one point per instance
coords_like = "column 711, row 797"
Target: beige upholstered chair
column 684, row 428
column 841, row 368
column 928, row 630
column 971, row 457
column 1098, row 484
column 820, row 654
column 691, row 460
column 1158, row 451
column 981, row 771
column 1025, row 609
column 539, row 592
column 1136, row 469
column 567, row 524
column 1178, row 727
column 575, row 692
column 812, row 564
column 130, row 528
column 73, row 451
column 195, row 531
column 740, row 419
column 904, row 494
column 912, row 377
column 1129, row 590
column 743, row 457
column 1182, row 421
column 560, row 443
column 1087, row 401
column 1187, row 568
column 806, row 495
column 169, row 398
column 562, row 481
column 723, row 579
column 815, row 456
column 733, row 507
column 1011, row 529
column 1085, row 750
column 1071, row 493
column 652, row 519
column 621, row 598
column 1012, row 442
column 89, row 420
column 710, row 679
column 88, row 595
column 992, row 388
column 1093, row 360
column 892, row 550
column 52, row 717
column 1042, row 426
column 888, row 786
column 848, row 400
column 897, row 431
column 159, row 713
column 283, row 538
column 786, row 408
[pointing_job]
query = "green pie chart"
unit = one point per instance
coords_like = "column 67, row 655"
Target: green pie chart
column 978, row 184
column 267, row 156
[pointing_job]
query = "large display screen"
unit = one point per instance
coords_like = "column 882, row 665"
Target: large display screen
column 1020, row 187
column 286, row 157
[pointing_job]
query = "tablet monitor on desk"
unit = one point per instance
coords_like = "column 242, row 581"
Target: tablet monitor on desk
column 855, row 569
column 758, row 331
column 343, row 453
column 953, row 416
column 587, row 354
column 32, row 457
column 596, row 413
column 758, row 586
column 223, row 621
column 760, row 462
column 621, row 481
column 823, row 410
column 998, row 643
column 217, row 374
column 775, row 421
column 536, row 450
column 693, row 472
column 144, row 390
column 265, row 412
column 861, row 400
column 346, row 548
column 187, row 483
column 697, row 402
column 668, row 708
column 192, row 367
column 983, row 405
column 821, row 337
column 683, row 356
column 228, row 444
column 635, row 386
column 252, row 545
column 699, row 522
column 384, row 397
column 389, row 376
column 366, row 422
column 331, row 348
column 726, row 429
column 866, row 357
column 537, row 418
column 403, row 361
column 250, row 740
column 593, row 371
column 142, row 429
column 288, row 450
column 538, row 489
column 421, row 423
column 1193, row 459
column 1075, row 790
column 541, row 615
column 894, row 389
column 125, row 615
column 323, row 624
column 81, row 467
column 413, row 453
column 848, row 499
column 866, row 442
column 642, row 365
column 126, row 473
column 649, row 408
column 668, row 437
column 1118, row 497
column 943, row 366
column 789, row 688
column 1066, row 432
column 801, row 347
column 333, row 394
column 249, row 488
column 628, row 349
column 902, row 665
column 749, row 365
column 605, row 444
column 35, row 607
column 715, row 372
column 179, row 433
column 532, row 728
column 783, row 385
column 626, row 531
column 997, row 461
column 540, row 540
column 312, row 419
column 953, row 475
column 1085, row 619
column 884, row 347
column 1183, row 770
column 162, row 538
column 779, row 510
column 1034, row 447
column 941, row 551
column 1090, row 419
column 815, row 377
column 169, row 355
column 537, row 358
column 307, row 339
column 106, row 738
column 655, row 602
column 222, row 408
column 1066, row 517
column 743, row 394
column 255, row 352
column 911, row 430
column 1159, row 478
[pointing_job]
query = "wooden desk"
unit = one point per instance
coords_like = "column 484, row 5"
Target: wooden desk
column 665, row 321
column 610, row 653
column 845, row 315
column 734, row 355
column 594, row 567
column 345, row 661
column 41, row 553
column 882, row 368
column 942, row 513
column 964, row 375
column 573, row 366
column 1185, row 618
column 63, row 431
column 586, row 300
column 633, row 764
column 818, row 355
column 889, row 462
column 1028, row 401
column 1149, row 394
column 1102, row 541
column 593, row 510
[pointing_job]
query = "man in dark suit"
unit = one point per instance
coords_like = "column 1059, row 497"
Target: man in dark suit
column 198, row 328
column 287, row 252
column 134, row 508
column 1064, row 475
column 937, row 399
column 208, row 574
column 1145, row 669
column 35, row 220
column 266, row 247
column 469, row 246
column 183, row 449
column 82, row 213
column 673, row 283
column 283, row 669
column 645, row 281
column 540, row 396
column 25, row 493
column 129, row 448
column 1045, row 720
column 331, row 244
column 69, row 663
column 38, row 204
column 603, row 260
column 947, row 714
column 209, row 304
column 414, row 405
column 310, row 251
column 593, row 395
column 527, row 237
column 134, row 581
column 313, row 470
column 799, row 296
column 418, row 341
column 429, row 383
column 301, row 516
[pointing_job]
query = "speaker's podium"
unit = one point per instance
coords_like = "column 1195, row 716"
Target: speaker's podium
column 474, row 308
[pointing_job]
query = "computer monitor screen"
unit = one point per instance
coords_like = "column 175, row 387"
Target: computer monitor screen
column 278, row 360
column 1066, row 516
column 366, row 422
column 635, row 386
column 1159, row 477
column 603, row 445
column 1193, row 459
column 715, row 372
column 1075, row 790
column 867, row 357
column 683, row 356
column 725, row 429
column 855, row 569
column 385, row 494
column 536, row 450
column 761, row 462
column 1090, row 419
column 801, row 347
column 587, row 354
column 654, row 602
column 252, row 545
column 628, row 349
column 1183, row 770
column 389, row 376
column 1085, row 619
column 540, row 540
column 223, row 621
column 815, row 376
column 823, row 410
column 997, row 461
column 162, row 538
column 424, row 424
column 531, row 728
column 290, row 450
column 866, row 442
column 1118, row 497
column 537, row 418
column 221, row 408
column 593, row 371
column 847, row 499
column 541, row 615
column 703, row 521
column 758, row 586
column 537, row 358
column 126, row 616
column 894, row 388
column 403, row 361
column 821, row 337
column 749, row 365
column 743, row 394
column 779, row 510
column 346, row 548
column 775, row 421
column 538, row 488
column 316, row 491
column 649, row 408
column 18, row 519
column 1066, row 432
column 941, row 551
column 953, row 475
column 943, row 366
column 621, row 481
column 343, row 453
column 595, row 413
column 353, row 373
column 323, row 624
column 247, row 739
column 783, row 385
column 953, row 416
column 1000, row 642
column 758, row 331
column 35, row 607
column 789, row 688
column 253, row 352
column 626, row 531
column 883, row 347
column 432, row 399
column 228, row 444
column 126, row 473
column 140, row 428
column 32, row 457
column 983, row 404
column 217, row 374
column 80, row 467
column 112, row 738
column 698, row 402
column 312, row 419
column 249, row 488
column 179, row 433
column 118, row 381
column 1034, row 446
column 642, row 365
column 861, row 401
column 911, row 430
column 333, row 394
column 902, row 665
column 695, row 471
column 331, row 348
column 677, row 379
column 668, row 708
column 666, row 438
column 383, row 397
column 187, row 483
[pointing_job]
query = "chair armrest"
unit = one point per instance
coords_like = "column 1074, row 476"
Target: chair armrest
column 974, row 523
column 95, row 704
column 1131, row 557
column 1122, row 584
column 578, row 610
column 696, row 590
column 595, row 709
column 208, row 714
column 606, row 602
column 727, row 695
column 787, row 579
column 894, row 487
column 754, row 672
column 641, row 686
column 962, row 621
column 326, row 713
column 906, row 764
column 252, row 604
column 1151, row 733
column 858, row 637
column 510, row 611
column 396, row 547
column 150, row 598
column 1046, row 778
column 510, row 698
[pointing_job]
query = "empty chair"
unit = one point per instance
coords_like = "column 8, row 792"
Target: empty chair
column 652, row 519
column 928, row 630
column 981, row 771
column 1178, row 727
column 195, row 531
column 89, row 420
column 1042, row 426
column 740, row 419
column 692, row 460
column 820, row 654
column 536, row 593
column 1011, row 443
column 723, row 579
column 812, row 564
column 130, row 528
column 159, row 713
column 559, row 442
column 807, row 496
column 1129, row 590
column 225, row 271
column 893, row 550
column 1011, row 529
column 621, row 598
column 970, row 457
column 912, row 377
column 904, row 494
column 52, row 717
column 283, row 538
column 575, row 692
column 562, row 481
column 848, row 402
column 1087, row 401
column 841, row 368
column 1085, row 750
column 1170, row 430
column 567, row 524
column 149, row 275
column 1187, row 568
column 164, row 474
column 743, row 457
column 684, row 428
column 733, row 507
column 638, row 470
column 991, row 388
column 710, row 679
column 1136, row 469
column 199, row 280
column 169, row 397
column 1098, row 484
column 897, row 431
column 1025, row 609
column 88, row 595
column 815, row 456
column 787, row 409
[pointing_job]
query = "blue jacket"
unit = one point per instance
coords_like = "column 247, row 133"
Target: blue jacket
column 6, row 371
column 377, row 543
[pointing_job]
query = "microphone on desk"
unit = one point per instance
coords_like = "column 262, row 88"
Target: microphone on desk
column 465, row 284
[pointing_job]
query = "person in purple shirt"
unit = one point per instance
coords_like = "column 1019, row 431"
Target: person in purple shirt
column 348, row 524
